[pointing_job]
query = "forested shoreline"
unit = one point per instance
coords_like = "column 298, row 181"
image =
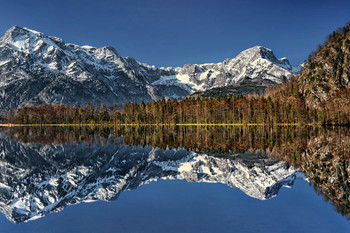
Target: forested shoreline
column 222, row 110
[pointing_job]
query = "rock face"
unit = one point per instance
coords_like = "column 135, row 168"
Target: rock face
column 38, row 69
column 39, row 179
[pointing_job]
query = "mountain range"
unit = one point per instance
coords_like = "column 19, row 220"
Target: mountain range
column 38, row 69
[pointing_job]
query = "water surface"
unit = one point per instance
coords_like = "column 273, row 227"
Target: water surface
column 183, row 179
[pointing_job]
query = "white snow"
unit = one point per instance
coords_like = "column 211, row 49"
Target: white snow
column 32, row 31
column 178, row 80
column 20, row 43
column 88, row 47
column 3, row 62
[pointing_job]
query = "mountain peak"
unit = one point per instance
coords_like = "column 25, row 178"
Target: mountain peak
column 259, row 48
column 261, row 52
column 25, row 39
column 17, row 31
column 258, row 52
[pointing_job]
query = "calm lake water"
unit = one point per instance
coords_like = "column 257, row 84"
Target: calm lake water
column 180, row 179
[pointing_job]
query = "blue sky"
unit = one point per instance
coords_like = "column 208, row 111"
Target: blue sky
column 173, row 33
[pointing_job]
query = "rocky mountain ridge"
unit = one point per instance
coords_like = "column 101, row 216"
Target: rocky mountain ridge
column 38, row 69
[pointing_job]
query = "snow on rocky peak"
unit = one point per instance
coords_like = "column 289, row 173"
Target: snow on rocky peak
column 257, row 64
column 23, row 39
column 38, row 69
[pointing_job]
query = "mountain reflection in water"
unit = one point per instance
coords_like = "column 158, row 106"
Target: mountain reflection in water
column 44, row 169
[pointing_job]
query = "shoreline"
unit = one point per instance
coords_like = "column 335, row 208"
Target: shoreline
column 179, row 124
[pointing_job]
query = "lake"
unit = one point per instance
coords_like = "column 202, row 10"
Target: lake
column 175, row 179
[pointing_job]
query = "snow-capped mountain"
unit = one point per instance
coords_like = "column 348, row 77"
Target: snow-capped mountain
column 37, row 69
column 257, row 65
column 39, row 179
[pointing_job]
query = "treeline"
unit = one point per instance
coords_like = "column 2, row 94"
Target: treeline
column 61, row 114
column 334, row 109
column 220, row 110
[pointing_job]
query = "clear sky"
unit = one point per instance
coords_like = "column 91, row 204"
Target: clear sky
column 177, row 32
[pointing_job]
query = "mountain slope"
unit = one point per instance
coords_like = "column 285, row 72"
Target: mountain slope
column 38, row 69
column 326, row 76
column 324, row 83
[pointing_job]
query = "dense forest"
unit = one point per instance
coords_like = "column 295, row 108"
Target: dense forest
column 319, row 95
column 221, row 110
